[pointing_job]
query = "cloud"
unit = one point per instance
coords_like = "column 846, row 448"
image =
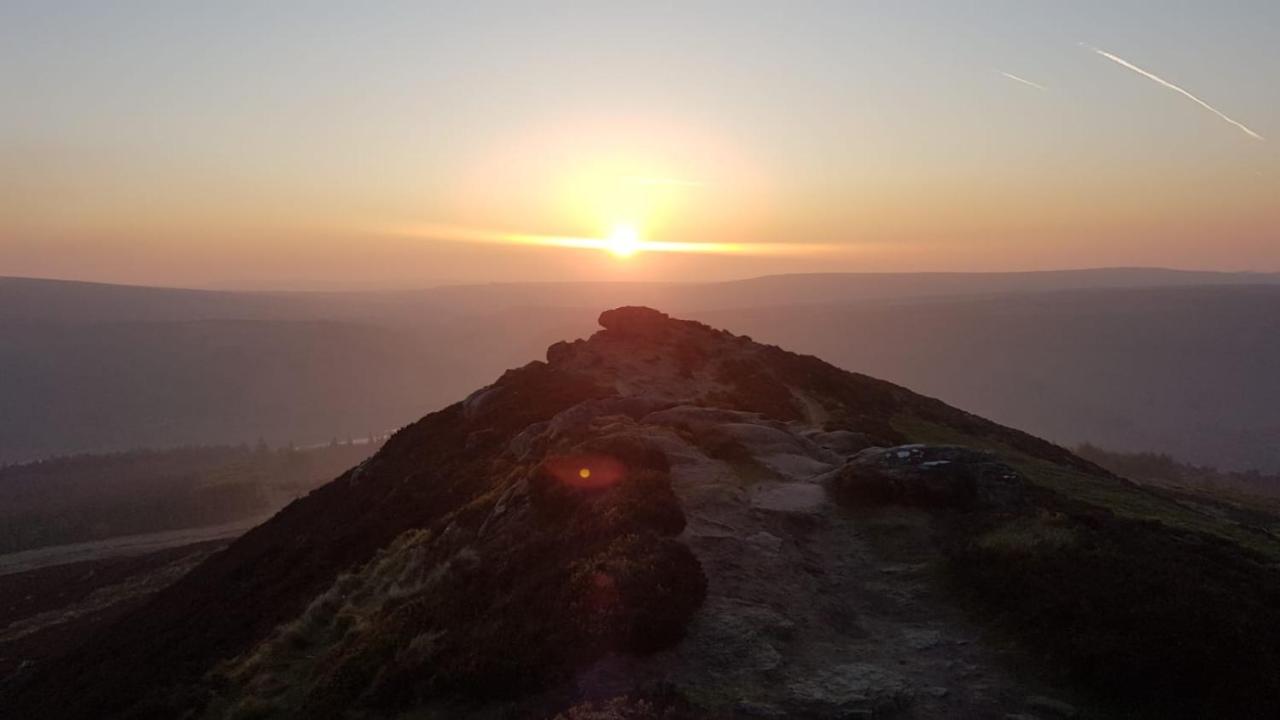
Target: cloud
column 1024, row 81
column 1152, row 76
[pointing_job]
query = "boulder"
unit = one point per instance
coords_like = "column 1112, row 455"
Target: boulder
column 635, row 321
column 927, row 476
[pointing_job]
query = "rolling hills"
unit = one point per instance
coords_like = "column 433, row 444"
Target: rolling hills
column 1127, row 359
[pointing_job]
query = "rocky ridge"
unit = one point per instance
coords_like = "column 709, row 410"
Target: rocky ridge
column 667, row 520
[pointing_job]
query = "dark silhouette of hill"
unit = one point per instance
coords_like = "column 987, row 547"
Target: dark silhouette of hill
column 668, row 520
column 40, row 300
column 1161, row 470
column 92, row 497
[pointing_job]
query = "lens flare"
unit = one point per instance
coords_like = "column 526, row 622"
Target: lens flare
column 585, row 471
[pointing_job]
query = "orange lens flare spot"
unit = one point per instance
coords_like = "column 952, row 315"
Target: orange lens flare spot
column 585, row 471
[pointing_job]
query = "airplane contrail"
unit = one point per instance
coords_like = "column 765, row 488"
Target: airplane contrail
column 1024, row 81
column 1152, row 76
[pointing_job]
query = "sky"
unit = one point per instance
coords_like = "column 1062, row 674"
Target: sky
column 337, row 145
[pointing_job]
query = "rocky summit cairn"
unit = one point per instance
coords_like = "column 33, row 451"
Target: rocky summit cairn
column 636, row 321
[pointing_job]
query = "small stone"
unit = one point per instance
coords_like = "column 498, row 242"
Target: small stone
column 921, row 639
column 765, row 541
column 937, row 691
column 748, row 709
column 1054, row 707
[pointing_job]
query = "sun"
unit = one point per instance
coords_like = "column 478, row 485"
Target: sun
column 623, row 241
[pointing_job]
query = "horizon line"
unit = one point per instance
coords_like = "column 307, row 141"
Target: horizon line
column 748, row 278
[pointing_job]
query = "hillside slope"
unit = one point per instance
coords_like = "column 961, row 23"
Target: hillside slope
column 667, row 520
column 1185, row 371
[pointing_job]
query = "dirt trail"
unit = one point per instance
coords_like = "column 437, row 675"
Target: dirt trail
column 812, row 610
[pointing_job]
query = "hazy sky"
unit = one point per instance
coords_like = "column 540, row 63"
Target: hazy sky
column 341, row 144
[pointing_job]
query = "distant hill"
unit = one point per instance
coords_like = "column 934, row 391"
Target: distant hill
column 1132, row 359
column 40, row 300
column 92, row 497
column 115, row 386
column 1188, row 371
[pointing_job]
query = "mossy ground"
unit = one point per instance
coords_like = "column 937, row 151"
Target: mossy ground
column 487, row 605
column 1151, row 604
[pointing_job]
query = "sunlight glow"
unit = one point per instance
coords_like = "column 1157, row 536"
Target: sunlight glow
column 624, row 241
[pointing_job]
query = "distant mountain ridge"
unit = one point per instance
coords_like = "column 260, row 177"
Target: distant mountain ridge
column 35, row 299
column 1128, row 359
column 93, row 497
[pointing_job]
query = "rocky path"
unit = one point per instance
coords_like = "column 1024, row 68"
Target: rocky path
column 812, row 611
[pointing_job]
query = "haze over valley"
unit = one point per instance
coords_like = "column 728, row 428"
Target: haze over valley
column 1130, row 360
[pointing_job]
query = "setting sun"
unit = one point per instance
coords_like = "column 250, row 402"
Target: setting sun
column 624, row 241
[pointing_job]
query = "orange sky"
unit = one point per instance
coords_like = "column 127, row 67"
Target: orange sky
column 406, row 147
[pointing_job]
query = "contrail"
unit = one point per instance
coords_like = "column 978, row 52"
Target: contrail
column 1125, row 63
column 1024, row 81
